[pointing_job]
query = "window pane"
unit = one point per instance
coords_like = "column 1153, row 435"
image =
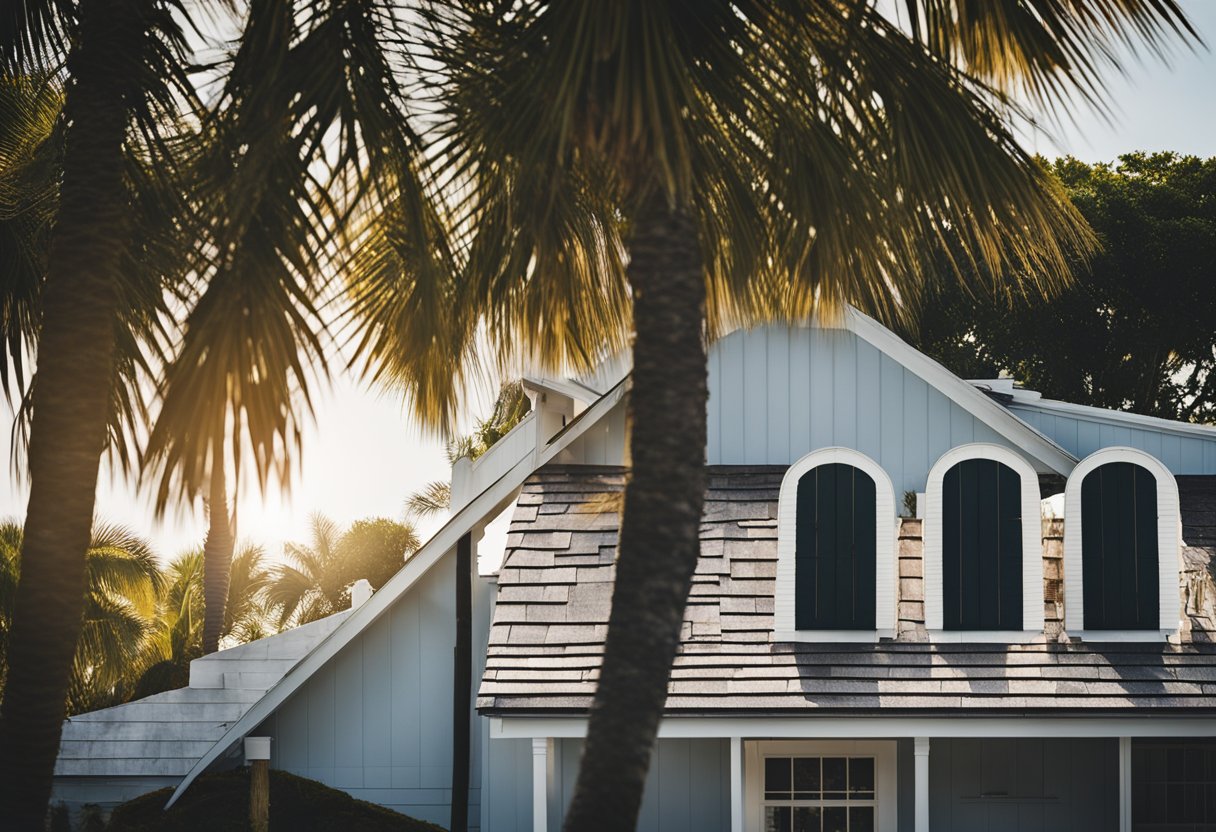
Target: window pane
column 806, row 778
column 861, row 819
column 835, row 819
column 776, row 819
column 835, row 776
column 777, row 778
column 807, row 819
column 861, row 775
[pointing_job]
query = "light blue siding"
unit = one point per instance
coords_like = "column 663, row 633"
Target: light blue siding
column 777, row 394
column 377, row 720
column 687, row 787
column 1081, row 435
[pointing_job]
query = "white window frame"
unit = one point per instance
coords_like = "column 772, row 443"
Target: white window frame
column 1169, row 548
column 886, row 791
column 885, row 574
column 1032, row 547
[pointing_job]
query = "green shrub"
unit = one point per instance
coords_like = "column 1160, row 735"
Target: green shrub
column 220, row 803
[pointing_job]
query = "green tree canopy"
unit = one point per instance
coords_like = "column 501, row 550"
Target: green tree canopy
column 1135, row 330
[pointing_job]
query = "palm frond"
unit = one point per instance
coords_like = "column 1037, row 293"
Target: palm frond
column 431, row 499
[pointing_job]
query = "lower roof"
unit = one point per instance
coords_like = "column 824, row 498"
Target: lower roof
column 554, row 596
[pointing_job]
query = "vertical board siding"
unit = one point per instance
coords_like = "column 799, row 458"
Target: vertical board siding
column 1082, row 435
column 376, row 720
column 776, row 394
column 687, row 786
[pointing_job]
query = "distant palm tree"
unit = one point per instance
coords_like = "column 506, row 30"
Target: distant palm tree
column 122, row 580
column 654, row 172
column 316, row 582
column 177, row 637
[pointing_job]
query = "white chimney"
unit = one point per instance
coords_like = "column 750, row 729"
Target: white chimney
column 360, row 592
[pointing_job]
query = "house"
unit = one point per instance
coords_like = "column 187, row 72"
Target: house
column 852, row 658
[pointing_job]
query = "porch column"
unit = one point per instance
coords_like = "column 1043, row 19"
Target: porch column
column 540, row 784
column 1125, row 784
column 921, row 752
column 736, row 784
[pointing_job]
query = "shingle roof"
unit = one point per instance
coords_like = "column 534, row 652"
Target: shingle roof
column 554, row 594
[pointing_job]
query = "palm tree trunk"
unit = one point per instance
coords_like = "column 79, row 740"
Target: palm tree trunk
column 217, row 558
column 462, row 685
column 659, row 541
column 71, row 404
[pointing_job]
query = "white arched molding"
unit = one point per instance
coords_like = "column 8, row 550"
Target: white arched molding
column 1169, row 548
column 885, row 573
column 1032, row 546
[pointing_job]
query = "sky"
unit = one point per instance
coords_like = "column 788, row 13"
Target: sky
column 363, row 456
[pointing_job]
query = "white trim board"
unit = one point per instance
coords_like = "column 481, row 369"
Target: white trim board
column 1169, row 548
column 872, row 725
column 1032, row 545
column 885, row 574
column 486, row 505
column 1119, row 417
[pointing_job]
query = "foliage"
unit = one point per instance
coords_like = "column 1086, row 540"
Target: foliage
column 1135, row 330
column 123, row 580
column 317, row 581
column 219, row 802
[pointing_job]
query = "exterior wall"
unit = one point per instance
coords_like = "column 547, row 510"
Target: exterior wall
column 687, row 788
column 776, row 394
column 1032, row 785
column 1082, row 435
column 104, row 792
column 377, row 720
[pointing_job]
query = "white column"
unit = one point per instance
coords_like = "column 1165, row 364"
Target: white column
column 921, row 751
column 1125, row 784
column 736, row 784
column 540, row 784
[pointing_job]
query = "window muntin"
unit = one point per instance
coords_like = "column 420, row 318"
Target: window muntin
column 1119, row 551
column 819, row 794
column 835, row 549
column 1173, row 785
column 982, row 548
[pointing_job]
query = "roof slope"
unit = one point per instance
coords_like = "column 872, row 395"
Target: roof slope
column 166, row 734
column 546, row 640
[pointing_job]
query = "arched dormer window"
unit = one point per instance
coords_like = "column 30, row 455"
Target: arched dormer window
column 983, row 546
column 836, row 575
column 1122, row 547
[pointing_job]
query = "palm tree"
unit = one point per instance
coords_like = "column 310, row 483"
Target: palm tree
column 177, row 637
column 273, row 196
column 317, row 581
column 756, row 160
column 122, row 583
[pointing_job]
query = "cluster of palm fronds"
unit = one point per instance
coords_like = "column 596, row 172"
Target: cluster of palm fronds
column 143, row 622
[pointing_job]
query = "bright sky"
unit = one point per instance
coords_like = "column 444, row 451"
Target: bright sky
column 363, row 456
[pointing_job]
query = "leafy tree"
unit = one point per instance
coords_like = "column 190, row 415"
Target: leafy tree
column 122, row 580
column 376, row 548
column 1134, row 332
column 666, row 170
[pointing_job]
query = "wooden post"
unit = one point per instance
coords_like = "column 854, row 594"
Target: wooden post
column 920, row 751
column 257, row 754
column 462, row 685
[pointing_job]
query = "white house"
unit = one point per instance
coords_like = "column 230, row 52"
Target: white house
column 843, row 668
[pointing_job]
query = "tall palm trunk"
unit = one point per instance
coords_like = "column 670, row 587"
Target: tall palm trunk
column 217, row 559
column 659, row 540
column 71, row 404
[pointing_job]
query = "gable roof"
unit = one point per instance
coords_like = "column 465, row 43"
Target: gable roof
column 554, row 598
column 492, row 499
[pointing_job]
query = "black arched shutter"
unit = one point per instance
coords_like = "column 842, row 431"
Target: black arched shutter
column 1119, row 548
column 835, row 549
column 982, row 546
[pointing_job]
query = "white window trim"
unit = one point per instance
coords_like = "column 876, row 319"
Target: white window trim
column 1032, row 547
column 886, row 789
column 885, row 575
column 1169, row 548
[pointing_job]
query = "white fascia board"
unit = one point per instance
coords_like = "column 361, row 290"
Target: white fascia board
column 873, row 725
column 1050, row 455
column 484, row 507
column 1121, row 417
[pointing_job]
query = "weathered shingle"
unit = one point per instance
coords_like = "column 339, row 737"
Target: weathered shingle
column 546, row 641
